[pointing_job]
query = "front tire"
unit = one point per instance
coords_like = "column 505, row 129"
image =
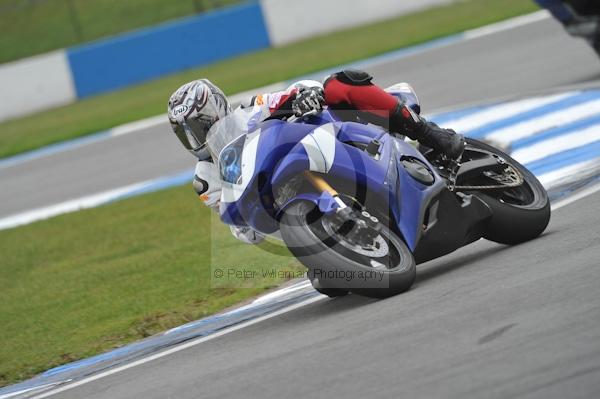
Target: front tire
column 338, row 267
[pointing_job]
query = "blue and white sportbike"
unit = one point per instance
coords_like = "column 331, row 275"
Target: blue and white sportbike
column 360, row 207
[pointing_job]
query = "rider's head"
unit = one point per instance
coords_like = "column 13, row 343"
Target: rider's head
column 193, row 109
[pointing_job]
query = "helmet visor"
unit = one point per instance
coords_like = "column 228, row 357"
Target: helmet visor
column 192, row 132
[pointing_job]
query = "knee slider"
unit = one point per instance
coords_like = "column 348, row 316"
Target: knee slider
column 354, row 77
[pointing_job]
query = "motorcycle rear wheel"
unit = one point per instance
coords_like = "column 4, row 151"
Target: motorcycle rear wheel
column 521, row 213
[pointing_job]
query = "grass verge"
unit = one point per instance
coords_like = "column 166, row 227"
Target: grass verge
column 83, row 283
column 254, row 70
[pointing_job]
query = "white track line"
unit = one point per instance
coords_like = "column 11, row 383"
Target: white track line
column 576, row 197
column 23, row 391
column 507, row 25
column 568, row 173
column 143, row 124
column 90, row 201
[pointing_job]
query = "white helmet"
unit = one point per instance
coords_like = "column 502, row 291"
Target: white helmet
column 193, row 109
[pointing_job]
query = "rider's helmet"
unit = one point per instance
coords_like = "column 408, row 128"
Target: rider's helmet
column 405, row 93
column 192, row 110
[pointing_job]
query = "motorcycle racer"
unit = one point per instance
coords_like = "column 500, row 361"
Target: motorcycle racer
column 197, row 105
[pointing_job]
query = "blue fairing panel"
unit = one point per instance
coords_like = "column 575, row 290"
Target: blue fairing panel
column 255, row 207
column 359, row 133
column 380, row 179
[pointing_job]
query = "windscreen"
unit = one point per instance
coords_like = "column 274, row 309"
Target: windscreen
column 226, row 141
column 225, row 131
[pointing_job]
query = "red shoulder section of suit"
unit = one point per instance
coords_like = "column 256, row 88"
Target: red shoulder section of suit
column 370, row 98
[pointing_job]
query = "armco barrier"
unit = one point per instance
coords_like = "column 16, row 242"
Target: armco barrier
column 289, row 21
column 149, row 53
column 35, row 83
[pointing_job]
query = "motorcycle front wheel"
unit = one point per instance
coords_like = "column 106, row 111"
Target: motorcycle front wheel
column 337, row 264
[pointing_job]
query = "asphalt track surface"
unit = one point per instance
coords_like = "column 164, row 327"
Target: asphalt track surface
column 528, row 59
column 487, row 321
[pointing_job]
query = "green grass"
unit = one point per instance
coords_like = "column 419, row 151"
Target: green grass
column 86, row 282
column 33, row 27
column 253, row 70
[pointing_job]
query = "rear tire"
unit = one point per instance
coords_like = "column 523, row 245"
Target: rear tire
column 514, row 223
column 324, row 254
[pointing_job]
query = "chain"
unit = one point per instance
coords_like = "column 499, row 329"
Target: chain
column 509, row 179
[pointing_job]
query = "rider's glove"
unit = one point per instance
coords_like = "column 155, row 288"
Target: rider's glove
column 309, row 100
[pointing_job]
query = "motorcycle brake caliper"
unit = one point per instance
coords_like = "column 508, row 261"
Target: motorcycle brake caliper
column 358, row 226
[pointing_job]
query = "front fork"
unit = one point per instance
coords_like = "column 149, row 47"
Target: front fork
column 319, row 183
column 366, row 224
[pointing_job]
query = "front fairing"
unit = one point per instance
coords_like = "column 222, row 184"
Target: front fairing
column 250, row 200
column 409, row 198
column 275, row 153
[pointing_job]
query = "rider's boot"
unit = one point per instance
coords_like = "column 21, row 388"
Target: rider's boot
column 446, row 141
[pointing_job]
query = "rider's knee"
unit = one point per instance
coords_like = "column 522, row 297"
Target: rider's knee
column 352, row 77
column 340, row 86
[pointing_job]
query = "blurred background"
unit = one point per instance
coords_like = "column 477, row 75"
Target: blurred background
column 103, row 241
column 30, row 27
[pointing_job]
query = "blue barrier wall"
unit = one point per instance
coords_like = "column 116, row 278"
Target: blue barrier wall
column 150, row 53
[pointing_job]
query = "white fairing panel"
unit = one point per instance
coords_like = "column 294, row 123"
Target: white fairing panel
column 320, row 147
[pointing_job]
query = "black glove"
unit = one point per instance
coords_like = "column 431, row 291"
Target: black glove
column 308, row 100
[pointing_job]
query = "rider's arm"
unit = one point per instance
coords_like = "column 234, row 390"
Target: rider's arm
column 300, row 99
column 275, row 105
column 207, row 184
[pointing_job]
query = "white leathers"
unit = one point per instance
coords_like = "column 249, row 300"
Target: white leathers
column 207, row 184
